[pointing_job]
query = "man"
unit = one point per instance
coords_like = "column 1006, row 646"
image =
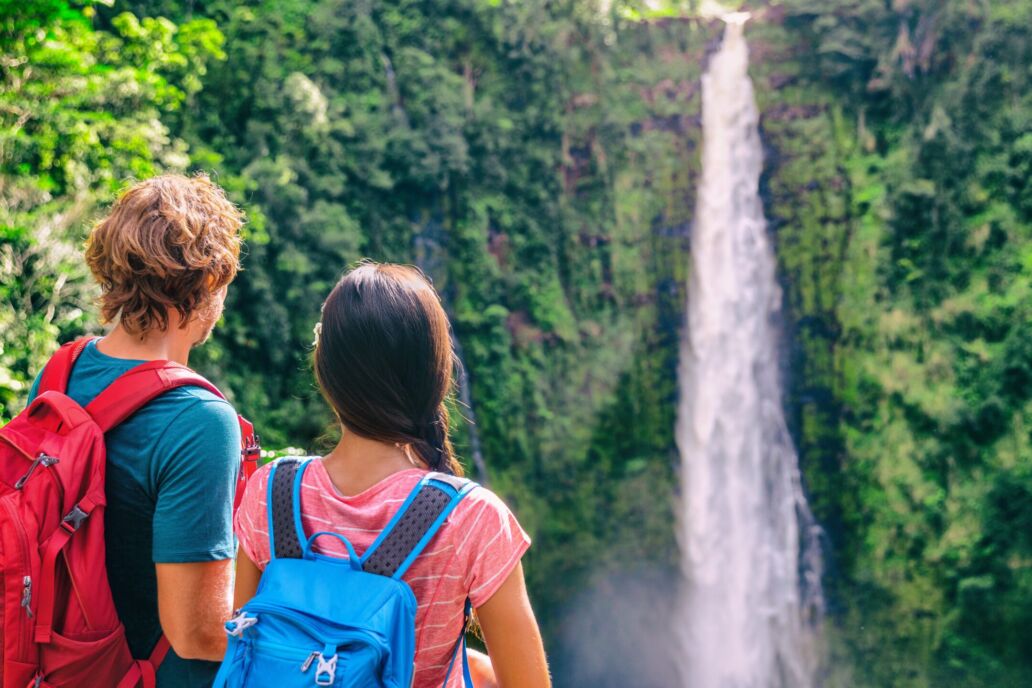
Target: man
column 164, row 257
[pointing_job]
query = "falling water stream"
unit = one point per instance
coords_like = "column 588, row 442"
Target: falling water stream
column 750, row 552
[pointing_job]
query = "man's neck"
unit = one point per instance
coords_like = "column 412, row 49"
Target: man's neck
column 173, row 344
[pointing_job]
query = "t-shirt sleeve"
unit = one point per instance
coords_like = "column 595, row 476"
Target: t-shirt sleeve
column 197, row 463
column 251, row 522
column 491, row 545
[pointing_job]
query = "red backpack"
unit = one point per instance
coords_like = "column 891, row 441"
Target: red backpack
column 58, row 625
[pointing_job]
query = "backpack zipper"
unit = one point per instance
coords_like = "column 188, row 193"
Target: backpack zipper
column 18, row 449
column 44, row 460
column 290, row 654
column 23, row 538
column 26, row 600
column 288, row 616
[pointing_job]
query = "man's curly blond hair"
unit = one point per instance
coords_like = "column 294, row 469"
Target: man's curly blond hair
column 169, row 243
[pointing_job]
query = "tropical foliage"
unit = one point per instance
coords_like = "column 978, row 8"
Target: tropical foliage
column 538, row 160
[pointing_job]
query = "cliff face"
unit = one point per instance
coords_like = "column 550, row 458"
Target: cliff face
column 891, row 135
column 596, row 469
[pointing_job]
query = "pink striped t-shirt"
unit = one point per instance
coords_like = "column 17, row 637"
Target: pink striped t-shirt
column 474, row 552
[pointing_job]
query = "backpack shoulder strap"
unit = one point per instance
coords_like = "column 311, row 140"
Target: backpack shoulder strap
column 415, row 524
column 460, row 644
column 284, row 503
column 59, row 367
column 136, row 387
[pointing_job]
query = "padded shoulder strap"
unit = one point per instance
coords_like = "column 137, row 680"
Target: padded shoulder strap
column 284, row 540
column 59, row 367
column 415, row 524
column 136, row 387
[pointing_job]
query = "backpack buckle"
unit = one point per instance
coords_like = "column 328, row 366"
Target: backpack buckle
column 326, row 670
column 240, row 623
column 252, row 450
column 73, row 520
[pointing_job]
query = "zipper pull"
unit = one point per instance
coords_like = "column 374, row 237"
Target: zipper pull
column 308, row 662
column 26, row 600
column 41, row 460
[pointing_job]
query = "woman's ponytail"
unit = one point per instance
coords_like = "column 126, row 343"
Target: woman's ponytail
column 434, row 446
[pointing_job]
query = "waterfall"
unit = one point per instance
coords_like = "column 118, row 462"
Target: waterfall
column 431, row 258
column 750, row 552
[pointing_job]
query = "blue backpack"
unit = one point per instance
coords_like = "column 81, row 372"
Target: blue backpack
column 328, row 621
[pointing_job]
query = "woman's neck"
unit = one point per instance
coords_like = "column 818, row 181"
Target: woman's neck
column 357, row 463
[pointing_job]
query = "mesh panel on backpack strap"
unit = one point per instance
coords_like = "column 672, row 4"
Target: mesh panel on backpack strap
column 283, row 531
column 408, row 531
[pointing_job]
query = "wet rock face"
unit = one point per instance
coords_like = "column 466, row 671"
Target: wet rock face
column 873, row 209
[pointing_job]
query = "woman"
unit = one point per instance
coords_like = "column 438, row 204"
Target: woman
column 383, row 360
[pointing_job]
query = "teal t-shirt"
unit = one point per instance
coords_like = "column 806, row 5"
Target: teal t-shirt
column 171, row 475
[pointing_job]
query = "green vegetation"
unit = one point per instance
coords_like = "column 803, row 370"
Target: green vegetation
column 538, row 160
column 80, row 111
column 900, row 191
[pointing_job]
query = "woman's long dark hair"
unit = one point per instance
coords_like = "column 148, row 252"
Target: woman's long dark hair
column 384, row 361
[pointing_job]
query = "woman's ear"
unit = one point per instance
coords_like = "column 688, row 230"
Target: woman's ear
column 413, row 459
